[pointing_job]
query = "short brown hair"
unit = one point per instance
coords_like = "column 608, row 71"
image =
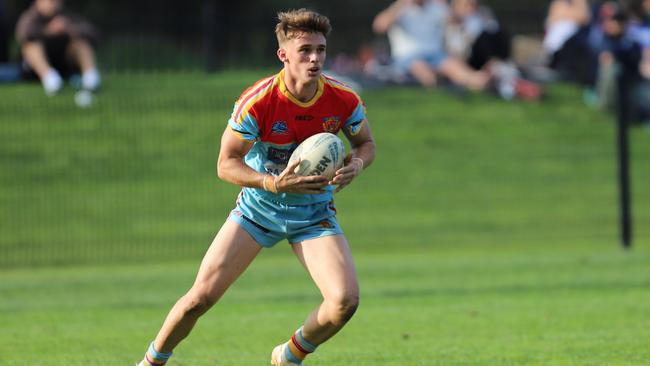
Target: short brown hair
column 294, row 22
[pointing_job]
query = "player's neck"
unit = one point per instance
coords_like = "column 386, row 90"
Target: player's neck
column 304, row 92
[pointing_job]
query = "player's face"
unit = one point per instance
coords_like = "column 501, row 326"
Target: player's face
column 304, row 56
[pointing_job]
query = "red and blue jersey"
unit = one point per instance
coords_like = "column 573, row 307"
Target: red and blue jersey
column 277, row 122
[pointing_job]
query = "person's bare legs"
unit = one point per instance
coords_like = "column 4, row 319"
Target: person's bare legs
column 34, row 54
column 424, row 74
column 329, row 262
column 81, row 52
column 461, row 74
column 231, row 252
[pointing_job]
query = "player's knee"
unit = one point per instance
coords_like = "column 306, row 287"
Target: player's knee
column 197, row 303
column 344, row 307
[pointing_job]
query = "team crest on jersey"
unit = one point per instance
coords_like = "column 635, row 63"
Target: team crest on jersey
column 331, row 124
column 280, row 128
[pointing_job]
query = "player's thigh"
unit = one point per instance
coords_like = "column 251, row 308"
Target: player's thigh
column 329, row 262
column 230, row 253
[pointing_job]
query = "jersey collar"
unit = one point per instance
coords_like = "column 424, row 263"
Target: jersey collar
column 287, row 93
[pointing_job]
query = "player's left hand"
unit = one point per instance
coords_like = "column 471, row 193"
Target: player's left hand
column 344, row 176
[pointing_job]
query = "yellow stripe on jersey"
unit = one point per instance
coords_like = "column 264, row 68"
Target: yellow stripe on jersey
column 251, row 97
column 255, row 86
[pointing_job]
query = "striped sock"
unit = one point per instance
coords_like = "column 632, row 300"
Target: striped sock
column 155, row 358
column 298, row 348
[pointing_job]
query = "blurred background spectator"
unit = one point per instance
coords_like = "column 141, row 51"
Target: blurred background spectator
column 488, row 45
column 474, row 35
column 613, row 50
column 565, row 41
column 56, row 44
column 415, row 30
column 639, row 31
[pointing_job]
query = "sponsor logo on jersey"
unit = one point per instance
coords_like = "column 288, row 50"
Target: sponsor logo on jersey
column 279, row 156
column 331, row 124
column 274, row 169
column 304, row 117
column 280, row 128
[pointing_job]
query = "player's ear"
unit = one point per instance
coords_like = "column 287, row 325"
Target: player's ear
column 282, row 54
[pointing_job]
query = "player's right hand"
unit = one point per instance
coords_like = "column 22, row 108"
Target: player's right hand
column 289, row 181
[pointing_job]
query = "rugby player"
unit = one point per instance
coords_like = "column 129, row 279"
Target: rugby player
column 268, row 122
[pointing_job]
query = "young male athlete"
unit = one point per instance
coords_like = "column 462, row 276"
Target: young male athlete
column 268, row 122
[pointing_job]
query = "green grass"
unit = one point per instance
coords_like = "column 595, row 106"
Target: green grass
column 465, row 305
column 485, row 233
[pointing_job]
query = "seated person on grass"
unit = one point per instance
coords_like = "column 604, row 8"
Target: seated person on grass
column 55, row 44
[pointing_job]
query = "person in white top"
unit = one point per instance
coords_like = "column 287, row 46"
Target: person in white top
column 564, row 20
column 415, row 30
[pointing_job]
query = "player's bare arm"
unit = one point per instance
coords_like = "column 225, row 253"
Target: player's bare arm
column 361, row 156
column 232, row 168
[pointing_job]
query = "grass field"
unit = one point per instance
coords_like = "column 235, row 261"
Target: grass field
column 485, row 234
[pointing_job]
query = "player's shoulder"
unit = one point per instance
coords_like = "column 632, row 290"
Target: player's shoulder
column 254, row 98
column 341, row 89
column 261, row 86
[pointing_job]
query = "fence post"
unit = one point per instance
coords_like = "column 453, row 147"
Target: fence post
column 624, row 84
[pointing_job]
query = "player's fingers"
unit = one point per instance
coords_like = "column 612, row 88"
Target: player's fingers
column 344, row 170
column 340, row 187
column 317, row 179
column 348, row 168
column 344, row 177
column 314, row 185
column 290, row 168
column 293, row 164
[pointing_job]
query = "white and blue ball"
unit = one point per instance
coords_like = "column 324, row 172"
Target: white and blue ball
column 321, row 154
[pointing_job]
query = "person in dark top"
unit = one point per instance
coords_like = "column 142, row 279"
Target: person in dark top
column 56, row 44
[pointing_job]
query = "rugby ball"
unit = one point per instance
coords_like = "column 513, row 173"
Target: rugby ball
column 321, row 154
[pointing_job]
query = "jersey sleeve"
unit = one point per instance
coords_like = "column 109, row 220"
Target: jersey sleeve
column 354, row 123
column 248, row 115
column 247, row 129
column 244, row 124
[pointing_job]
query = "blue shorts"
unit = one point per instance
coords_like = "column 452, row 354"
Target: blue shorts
column 434, row 60
column 269, row 222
